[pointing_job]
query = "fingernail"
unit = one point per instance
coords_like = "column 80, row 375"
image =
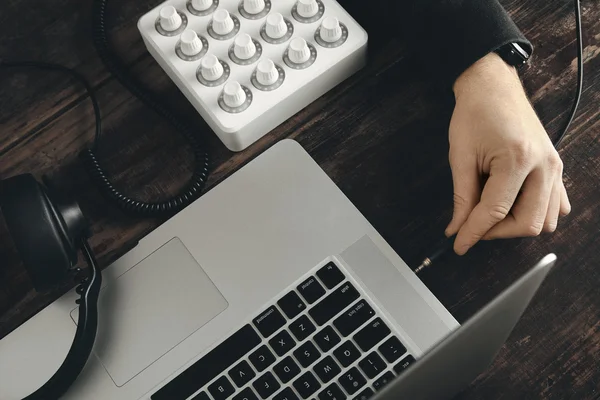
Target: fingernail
column 463, row 250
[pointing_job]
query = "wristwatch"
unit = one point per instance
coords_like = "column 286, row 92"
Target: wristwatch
column 513, row 54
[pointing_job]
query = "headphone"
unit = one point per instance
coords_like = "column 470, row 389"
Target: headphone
column 48, row 231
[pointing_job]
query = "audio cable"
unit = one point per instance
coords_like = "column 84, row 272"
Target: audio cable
column 90, row 160
column 448, row 243
column 197, row 182
column 573, row 111
column 438, row 251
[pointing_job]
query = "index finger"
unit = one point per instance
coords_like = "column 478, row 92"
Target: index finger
column 498, row 197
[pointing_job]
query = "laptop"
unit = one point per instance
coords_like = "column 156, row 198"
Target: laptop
column 270, row 286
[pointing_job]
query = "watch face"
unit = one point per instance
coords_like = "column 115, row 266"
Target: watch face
column 513, row 54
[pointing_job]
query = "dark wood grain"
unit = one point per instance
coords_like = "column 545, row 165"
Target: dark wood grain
column 381, row 136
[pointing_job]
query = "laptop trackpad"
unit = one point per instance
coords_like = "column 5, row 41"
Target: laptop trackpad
column 151, row 308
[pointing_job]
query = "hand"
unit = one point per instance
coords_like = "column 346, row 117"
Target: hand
column 507, row 174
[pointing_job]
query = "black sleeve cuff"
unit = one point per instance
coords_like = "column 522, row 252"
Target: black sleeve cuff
column 450, row 35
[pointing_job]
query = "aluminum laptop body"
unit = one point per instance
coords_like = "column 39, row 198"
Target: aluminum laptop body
column 271, row 285
column 455, row 362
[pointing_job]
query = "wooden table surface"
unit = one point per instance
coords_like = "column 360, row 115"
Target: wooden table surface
column 381, row 136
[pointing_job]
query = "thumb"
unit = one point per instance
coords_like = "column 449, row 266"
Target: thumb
column 467, row 192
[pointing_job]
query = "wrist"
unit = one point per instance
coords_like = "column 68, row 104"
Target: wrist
column 490, row 70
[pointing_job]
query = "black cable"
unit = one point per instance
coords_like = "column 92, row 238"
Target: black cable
column 579, row 73
column 198, row 180
column 448, row 243
column 98, row 175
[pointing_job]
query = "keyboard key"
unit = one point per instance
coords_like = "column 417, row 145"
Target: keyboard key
column 371, row 334
column 330, row 275
column 307, row 354
column 241, row 374
column 210, row 366
column 221, row 388
column 246, row 394
column 353, row 318
column 286, row 394
column 392, row 349
column 383, row 380
column 282, row 343
column 403, row 364
column 291, row 304
column 262, row 358
column 266, row 385
column 302, row 328
column 311, row 290
column 327, row 339
column 332, row 392
column 306, row 385
column 327, row 369
column 352, row 380
column 365, row 394
column 201, row 396
column 334, row 303
column 269, row 321
column 372, row 365
column 347, row 353
column 286, row 369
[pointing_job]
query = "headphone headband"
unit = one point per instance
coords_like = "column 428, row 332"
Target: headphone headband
column 48, row 233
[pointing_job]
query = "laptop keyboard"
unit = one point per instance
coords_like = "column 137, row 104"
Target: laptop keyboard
column 322, row 340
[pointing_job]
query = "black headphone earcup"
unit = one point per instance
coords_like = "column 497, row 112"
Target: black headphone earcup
column 43, row 239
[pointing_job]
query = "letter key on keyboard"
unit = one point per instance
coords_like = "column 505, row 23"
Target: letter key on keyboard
column 306, row 385
column 302, row 328
column 282, row 343
column 262, row 358
column 241, row 374
column 266, row 385
column 327, row 339
column 221, row 389
column 287, row 369
column 327, row 369
column 307, row 354
column 347, row 353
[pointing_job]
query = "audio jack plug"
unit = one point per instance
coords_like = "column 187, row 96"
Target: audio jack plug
column 439, row 250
